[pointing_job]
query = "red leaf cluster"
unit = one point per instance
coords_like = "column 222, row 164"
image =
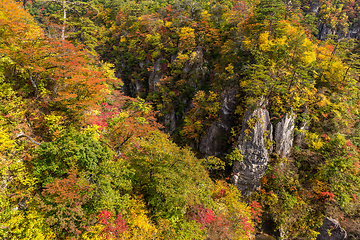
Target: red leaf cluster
column 112, row 227
column 256, row 210
column 202, row 215
column 325, row 196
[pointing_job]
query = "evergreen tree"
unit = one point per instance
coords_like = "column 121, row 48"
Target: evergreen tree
column 268, row 13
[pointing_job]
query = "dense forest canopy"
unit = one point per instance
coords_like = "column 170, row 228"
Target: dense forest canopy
column 136, row 119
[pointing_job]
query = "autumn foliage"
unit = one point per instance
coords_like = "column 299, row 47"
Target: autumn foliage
column 106, row 108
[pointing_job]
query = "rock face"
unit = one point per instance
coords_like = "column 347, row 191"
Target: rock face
column 315, row 7
column 170, row 122
column 264, row 236
column 155, row 75
column 212, row 144
column 303, row 126
column 352, row 31
column 300, row 137
column 284, row 135
column 333, row 227
column 325, row 31
column 256, row 131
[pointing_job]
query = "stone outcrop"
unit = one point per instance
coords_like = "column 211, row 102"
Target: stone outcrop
column 333, row 227
column 300, row 136
column 170, row 122
column 324, row 30
column 264, row 236
column 315, row 7
column 211, row 144
column 155, row 75
column 214, row 141
column 284, row 135
column 303, row 125
column 354, row 33
column 256, row 132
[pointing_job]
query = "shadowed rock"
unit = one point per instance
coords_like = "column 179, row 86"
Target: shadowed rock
column 214, row 141
column 264, row 236
column 170, row 122
column 331, row 230
column 211, row 144
column 155, row 75
column 299, row 139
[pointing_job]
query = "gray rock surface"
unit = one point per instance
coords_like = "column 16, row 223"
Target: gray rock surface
column 315, row 7
column 214, row 141
column 264, row 236
column 211, row 144
column 299, row 139
column 333, row 227
column 324, row 31
column 284, row 135
column 170, row 122
column 155, row 75
column 256, row 131
column 354, row 33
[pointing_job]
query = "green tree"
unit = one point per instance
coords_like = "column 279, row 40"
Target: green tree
column 268, row 14
column 169, row 177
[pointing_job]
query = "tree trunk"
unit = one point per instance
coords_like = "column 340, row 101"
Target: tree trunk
column 64, row 21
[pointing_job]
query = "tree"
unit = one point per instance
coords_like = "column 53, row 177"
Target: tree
column 166, row 175
column 204, row 112
column 268, row 14
column 71, row 20
column 60, row 76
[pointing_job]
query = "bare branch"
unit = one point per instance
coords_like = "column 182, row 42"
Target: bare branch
column 347, row 70
column 21, row 135
column 33, row 82
column 292, row 79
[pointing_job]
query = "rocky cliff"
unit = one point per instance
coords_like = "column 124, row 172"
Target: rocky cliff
column 254, row 143
column 331, row 230
column 284, row 135
column 215, row 140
